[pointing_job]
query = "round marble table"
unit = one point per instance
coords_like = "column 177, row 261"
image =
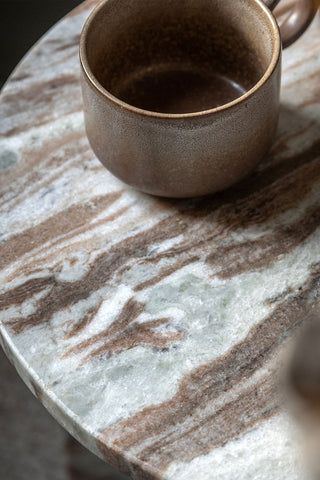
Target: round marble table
column 155, row 330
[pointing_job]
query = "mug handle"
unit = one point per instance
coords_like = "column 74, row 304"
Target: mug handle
column 297, row 17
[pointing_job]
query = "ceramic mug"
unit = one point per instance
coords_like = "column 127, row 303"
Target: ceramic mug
column 303, row 389
column 181, row 97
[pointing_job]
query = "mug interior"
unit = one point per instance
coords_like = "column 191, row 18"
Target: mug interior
column 178, row 56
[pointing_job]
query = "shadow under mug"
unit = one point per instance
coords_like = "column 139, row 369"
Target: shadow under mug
column 181, row 97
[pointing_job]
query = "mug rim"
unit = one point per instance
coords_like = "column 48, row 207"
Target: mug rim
column 150, row 113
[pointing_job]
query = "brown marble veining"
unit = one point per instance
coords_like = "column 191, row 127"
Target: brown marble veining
column 155, row 330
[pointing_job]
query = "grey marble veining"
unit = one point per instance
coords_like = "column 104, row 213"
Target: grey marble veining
column 155, row 330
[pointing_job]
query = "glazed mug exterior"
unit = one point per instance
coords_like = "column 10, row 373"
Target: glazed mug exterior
column 183, row 154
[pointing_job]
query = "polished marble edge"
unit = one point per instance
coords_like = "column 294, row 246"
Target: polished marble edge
column 125, row 325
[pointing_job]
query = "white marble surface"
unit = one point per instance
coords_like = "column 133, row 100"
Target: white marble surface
column 155, row 330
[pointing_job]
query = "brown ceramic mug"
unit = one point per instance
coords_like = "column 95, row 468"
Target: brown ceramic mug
column 181, row 97
column 303, row 389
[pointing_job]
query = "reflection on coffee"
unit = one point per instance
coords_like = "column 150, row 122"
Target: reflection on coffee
column 180, row 65
column 178, row 89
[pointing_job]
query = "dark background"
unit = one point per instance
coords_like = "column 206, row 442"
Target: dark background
column 22, row 23
column 32, row 444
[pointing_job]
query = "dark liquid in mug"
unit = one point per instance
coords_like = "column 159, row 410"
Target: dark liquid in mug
column 180, row 63
column 178, row 89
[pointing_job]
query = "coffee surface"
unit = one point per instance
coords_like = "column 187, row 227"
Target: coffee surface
column 175, row 88
column 176, row 62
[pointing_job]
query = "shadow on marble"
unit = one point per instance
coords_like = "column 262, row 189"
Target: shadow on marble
column 277, row 164
column 32, row 444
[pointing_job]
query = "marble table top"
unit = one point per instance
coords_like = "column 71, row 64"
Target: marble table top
column 154, row 330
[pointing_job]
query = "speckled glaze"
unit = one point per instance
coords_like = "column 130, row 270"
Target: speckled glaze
column 197, row 137
column 154, row 330
column 180, row 154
